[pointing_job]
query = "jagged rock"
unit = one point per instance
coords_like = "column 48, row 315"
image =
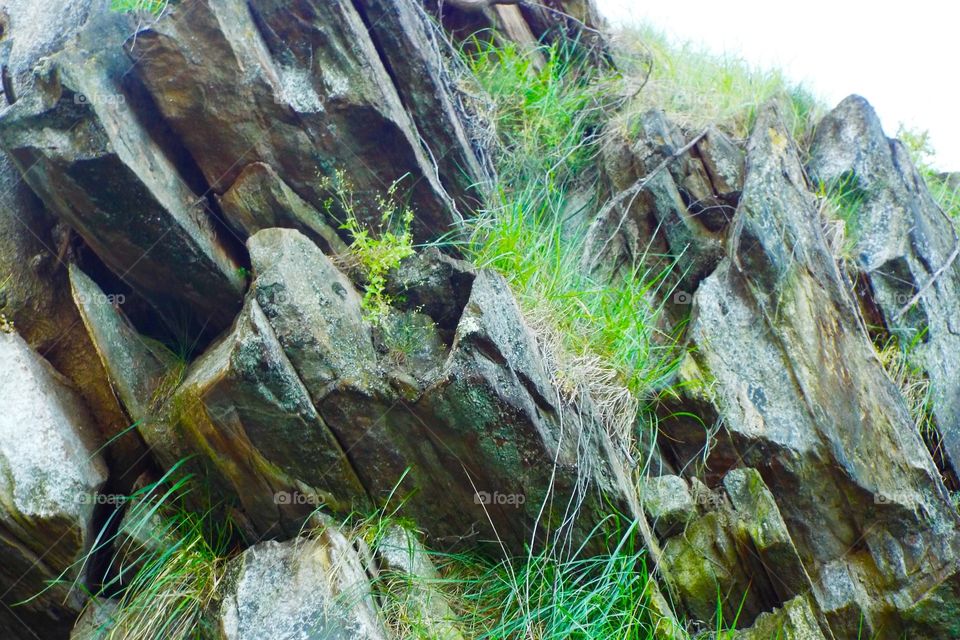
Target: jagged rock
column 739, row 551
column 805, row 401
column 795, row 621
column 96, row 621
column 51, row 471
column 35, row 298
column 666, row 204
column 479, row 445
column 702, row 566
column 407, row 573
column 905, row 245
column 433, row 283
column 298, row 86
column 314, row 589
column 414, row 51
column 578, row 20
column 667, row 503
column 244, row 408
column 135, row 366
column 766, row 547
column 81, row 146
column 260, row 199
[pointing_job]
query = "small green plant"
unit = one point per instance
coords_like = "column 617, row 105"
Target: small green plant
column 156, row 7
column 375, row 251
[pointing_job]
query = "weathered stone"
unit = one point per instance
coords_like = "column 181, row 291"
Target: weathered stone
column 795, row 621
column 96, row 621
column 244, row 408
column 765, row 540
column 479, row 445
column 314, row 589
column 136, row 366
column 805, row 401
column 298, row 86
column 83, row 150
column 314, row 310
column 260, row 199
column 35, row 298
column 678, row 213
column 667, row 503
column 408, row 574
column 51, row 471
column 905, row 245
column 843, row 600
column 414, row 52
column 704, row 569
column 433, row 283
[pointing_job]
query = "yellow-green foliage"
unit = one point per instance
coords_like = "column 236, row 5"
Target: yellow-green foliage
column 376, row 251
column 155, row 7
column 549, row 119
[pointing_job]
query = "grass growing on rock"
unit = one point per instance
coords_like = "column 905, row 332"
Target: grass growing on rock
column 542, row 596
column 548, row 121
column 696, row 87
column 167, row 561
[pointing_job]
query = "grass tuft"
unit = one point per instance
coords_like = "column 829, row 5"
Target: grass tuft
column 697, row 88
column 601, row 338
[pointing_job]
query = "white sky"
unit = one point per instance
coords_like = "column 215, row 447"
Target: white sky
column 903, row 57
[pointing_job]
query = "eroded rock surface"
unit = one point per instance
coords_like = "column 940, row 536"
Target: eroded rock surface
column 51, row 471
column 904, row 243
column 790, row 369
column 306, row 588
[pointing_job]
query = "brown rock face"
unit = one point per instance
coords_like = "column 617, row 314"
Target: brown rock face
column 905, row 245
column 301, row 87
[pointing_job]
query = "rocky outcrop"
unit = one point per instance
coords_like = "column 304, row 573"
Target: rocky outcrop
column 199, row 162
column 71, row 131
column 674, row 198
column 784, row 361
column 305, row 404
column 905, row 246
column 36, row 301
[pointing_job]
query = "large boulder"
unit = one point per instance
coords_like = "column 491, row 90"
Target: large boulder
column 905, row 245
column 51, row 471
column 243, row 407
column 470, row 436
column 35, row 297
